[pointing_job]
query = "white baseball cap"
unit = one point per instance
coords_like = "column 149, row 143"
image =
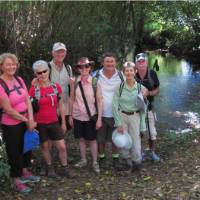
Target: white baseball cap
column 58, row 46
column 141, row 56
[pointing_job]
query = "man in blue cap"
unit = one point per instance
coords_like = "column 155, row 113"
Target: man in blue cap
column 149, row 79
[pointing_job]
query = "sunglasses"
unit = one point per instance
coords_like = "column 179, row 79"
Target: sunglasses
column 83, row 66
column 42, row 72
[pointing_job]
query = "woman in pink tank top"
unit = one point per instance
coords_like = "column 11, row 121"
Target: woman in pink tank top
column 86, row 102
column 17, row 116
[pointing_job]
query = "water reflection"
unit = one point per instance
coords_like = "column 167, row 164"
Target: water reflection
column 179, row 89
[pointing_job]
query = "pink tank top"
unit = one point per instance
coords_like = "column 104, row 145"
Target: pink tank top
column 17, row 100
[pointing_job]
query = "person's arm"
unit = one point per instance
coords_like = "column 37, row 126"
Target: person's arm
column 154, row 92
column 142, row 121
column 99, row 99
column 62, row 114
column 7, row 108
column 71, row 101
column 31, row 124
column 116, row 114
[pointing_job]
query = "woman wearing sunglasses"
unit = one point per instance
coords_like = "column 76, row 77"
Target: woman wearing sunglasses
column 85, row 93
column 17, row 116
column 48, row 95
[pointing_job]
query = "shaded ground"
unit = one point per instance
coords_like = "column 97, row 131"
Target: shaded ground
column 176, row 178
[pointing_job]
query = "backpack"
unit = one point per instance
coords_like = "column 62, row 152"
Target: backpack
column 121, row 87
column 142, row 102
column 94, row 87
column 69, row 71
column 8, row 91
column 68, row 68
column 37, row 97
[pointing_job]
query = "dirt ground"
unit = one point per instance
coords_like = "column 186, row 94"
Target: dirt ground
column 177, row 177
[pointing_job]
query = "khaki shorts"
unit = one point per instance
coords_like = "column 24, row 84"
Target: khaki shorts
column 104, row 134
column 151, row 119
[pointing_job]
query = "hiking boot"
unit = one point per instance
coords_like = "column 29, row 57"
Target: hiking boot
column 103, row 163
column 96, row 168
column 81, row 164
column 43, row 168
column 20, row 187
column 136, row 167
column 154, row 157
column 43, row 171
column 28, row 177
column 66, row 171
column 117, row 165
column 128, row 165
column 50, row 171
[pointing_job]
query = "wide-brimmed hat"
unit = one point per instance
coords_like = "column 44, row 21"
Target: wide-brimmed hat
column 58, row 46
column 122, row 140
column 84, row 61
column 141, row 56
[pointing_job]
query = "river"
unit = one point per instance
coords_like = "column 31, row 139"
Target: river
column 179, row 94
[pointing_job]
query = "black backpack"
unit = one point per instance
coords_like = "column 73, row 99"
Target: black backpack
column 8, row 91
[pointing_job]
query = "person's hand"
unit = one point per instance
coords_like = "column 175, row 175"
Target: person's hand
column 64, row 128
column 71, row 121
column 120, row 129
column 145, row 92
column 31, row 124
column 98, row 124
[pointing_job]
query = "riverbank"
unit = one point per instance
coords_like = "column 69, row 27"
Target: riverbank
column 177, row 177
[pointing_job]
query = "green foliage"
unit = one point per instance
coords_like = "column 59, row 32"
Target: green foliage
column 90, row 28
column 182, row 139
column 4, row 167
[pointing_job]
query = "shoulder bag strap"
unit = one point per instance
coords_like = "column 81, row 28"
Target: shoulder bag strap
column 84, row 99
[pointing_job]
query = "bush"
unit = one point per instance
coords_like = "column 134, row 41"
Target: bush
column 4, row 167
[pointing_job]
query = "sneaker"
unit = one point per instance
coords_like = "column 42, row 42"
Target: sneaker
column 22, row 188
column 154, row 157
column 28, row 177
column 50, row 171
column 143, row 156
column 96, row 168
column 81, row 163
column 66, row 171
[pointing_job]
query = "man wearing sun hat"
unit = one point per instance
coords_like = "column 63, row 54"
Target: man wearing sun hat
column 149, row 79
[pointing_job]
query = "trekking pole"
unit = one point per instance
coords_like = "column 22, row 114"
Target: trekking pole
column 148, row 126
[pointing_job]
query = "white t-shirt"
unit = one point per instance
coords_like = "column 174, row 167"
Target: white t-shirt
column 108, row 87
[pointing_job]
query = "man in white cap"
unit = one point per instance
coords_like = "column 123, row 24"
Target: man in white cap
column 149, row 79
column 61, row 73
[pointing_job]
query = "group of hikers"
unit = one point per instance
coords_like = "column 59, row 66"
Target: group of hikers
column 93, row 105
